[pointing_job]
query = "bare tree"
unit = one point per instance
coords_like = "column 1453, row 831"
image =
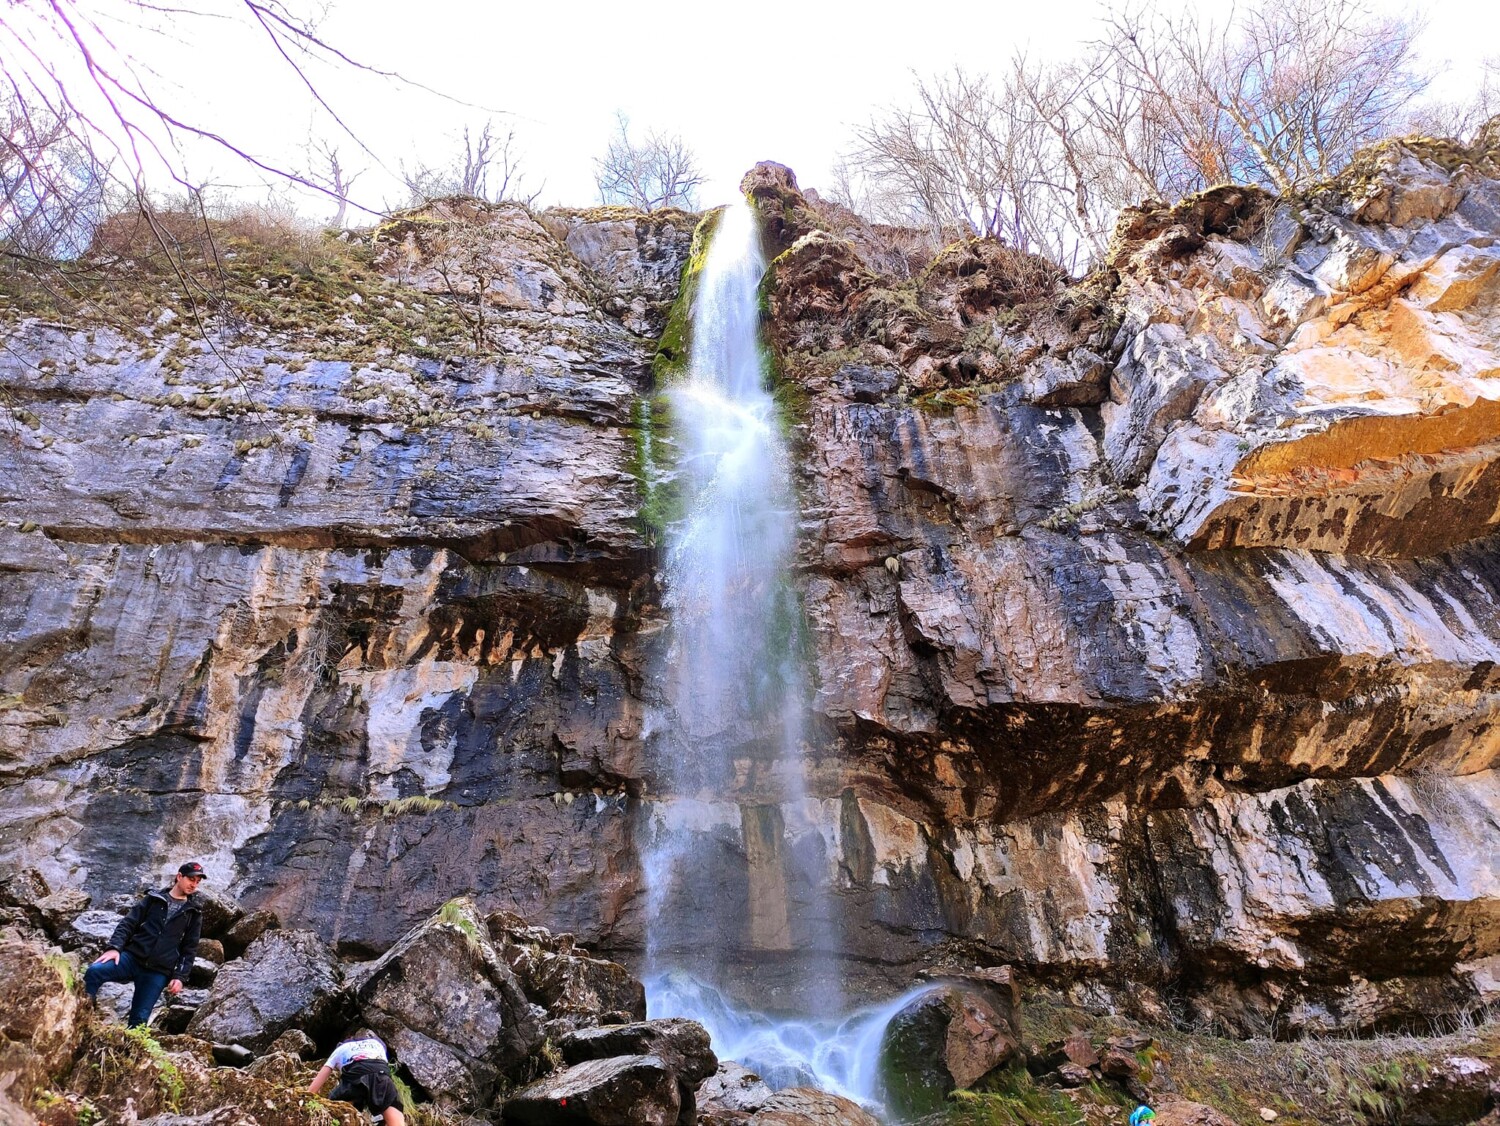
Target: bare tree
column 660, row 172
column 327, row 167
column 1462, row 118
column 1279, row 93
column 486, row 165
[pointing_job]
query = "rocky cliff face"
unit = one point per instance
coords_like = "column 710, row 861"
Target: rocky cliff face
column 1154, row 619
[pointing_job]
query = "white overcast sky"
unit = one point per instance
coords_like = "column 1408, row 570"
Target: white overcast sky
column 739, row 82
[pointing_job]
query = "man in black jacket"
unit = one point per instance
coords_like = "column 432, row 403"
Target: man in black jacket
column 154, row 945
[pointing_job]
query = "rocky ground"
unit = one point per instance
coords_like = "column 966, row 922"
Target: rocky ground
column 489, row 1020
column 1153, row 619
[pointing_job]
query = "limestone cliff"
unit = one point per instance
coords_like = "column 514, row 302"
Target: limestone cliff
column 1154, row 618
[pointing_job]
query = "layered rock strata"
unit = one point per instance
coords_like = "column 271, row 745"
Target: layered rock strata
column 1154, row 620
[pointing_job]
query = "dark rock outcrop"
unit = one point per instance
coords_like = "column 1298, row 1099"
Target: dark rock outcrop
column 644, row 1073
column 287, row 979
column 450, row 1007
column 574, row 988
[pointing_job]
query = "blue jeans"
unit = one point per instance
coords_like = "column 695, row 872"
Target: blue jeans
column 148, row 984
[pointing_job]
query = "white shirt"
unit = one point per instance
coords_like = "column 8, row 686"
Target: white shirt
column 352, row 1050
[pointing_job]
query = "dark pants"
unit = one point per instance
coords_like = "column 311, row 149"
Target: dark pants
column 148, row 984
column 367, row 1084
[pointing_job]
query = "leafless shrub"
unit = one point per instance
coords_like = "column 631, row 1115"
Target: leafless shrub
column 660, row 172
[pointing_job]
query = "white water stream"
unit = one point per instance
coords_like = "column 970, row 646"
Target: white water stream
column 735, row 702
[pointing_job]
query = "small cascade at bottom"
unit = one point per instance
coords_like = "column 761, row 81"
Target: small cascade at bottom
column 837, row 1055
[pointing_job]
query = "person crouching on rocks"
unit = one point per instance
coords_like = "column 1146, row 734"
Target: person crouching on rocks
column 154, row 946
column 364, row 1077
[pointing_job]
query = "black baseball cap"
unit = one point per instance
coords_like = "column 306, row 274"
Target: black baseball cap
column 192, row 868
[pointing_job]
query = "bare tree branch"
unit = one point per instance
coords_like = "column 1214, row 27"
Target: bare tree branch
column 660, row 172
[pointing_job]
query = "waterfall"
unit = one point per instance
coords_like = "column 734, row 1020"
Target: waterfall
column 728, row 742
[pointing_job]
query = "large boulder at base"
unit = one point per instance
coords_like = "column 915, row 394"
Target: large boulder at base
column 286, row 979
column 55, row 911
column 176, row 1011
column 41, row 1009
column 682, row 1048
column 451, row 1008
column 731, row 1094
column 808, row 1106
column 619, row 1091
column 949, row 1037
column 564, row 980
column 684, row 1045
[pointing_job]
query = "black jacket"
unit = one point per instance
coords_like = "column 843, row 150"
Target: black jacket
column 166, row 947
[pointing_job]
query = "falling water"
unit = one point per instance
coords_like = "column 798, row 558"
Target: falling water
column 723, row 880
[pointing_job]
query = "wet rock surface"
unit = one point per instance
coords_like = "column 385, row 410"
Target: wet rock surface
column 950, row 1037
column 1155, row 618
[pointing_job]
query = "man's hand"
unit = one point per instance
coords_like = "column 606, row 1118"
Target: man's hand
column 175, row 985
column 108, row 956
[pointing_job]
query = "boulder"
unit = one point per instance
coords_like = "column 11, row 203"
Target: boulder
column 55, row 912
column 1457, row 1089
column 297, row 1042
column 1080, row 1050
column 41, row 1010
column 681, row 1048
column 445, row 1000
column 89, row 932
column 684, row 1045
column 202, row 975
column 242, row 933
column 286, row 979
column 175, row 1011
column 211, row 950
column 565, row 981
column 1070, row 1074
column 808, row 1106
column 947, row 1038
column 619, row 1091
column 220, row 913
column 23, row 887
column 734, row 1089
